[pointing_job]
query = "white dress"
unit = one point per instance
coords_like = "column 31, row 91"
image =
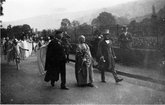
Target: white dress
column 41, row 57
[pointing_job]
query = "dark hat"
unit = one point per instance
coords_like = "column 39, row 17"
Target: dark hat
column 106, row 32
column 58, row 32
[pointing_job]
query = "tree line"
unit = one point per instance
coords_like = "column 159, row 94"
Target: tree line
column 103, row 21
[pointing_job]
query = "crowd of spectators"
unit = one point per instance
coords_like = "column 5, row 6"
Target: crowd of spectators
column 144, row 43
column 141, row 43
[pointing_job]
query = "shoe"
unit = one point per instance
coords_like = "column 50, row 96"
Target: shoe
column 64, row 87
column 103, row 81
column 90, row 85
column 119, row 80
column 52, row 83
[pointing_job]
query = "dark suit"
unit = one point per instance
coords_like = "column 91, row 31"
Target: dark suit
column 55, row 62
column 107, row 52
column 125, row 40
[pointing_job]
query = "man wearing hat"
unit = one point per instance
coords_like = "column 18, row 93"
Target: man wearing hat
column 55, row 61
column 107, row 56
column 125, row 38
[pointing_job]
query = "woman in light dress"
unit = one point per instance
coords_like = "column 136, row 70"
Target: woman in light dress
column 83, row 65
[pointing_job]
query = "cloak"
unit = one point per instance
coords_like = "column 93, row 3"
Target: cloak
column 55, row 56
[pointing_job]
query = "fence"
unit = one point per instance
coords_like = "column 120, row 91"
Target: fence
column 143, row 37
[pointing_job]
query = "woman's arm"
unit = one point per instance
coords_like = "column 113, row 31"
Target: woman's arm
column 23, row 48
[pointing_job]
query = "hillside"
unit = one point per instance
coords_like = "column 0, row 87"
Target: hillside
column 137, row 10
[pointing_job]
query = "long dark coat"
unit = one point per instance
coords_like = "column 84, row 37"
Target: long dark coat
column 107, row 51
column 55, row 57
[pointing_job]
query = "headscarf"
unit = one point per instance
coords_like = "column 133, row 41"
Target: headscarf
column 81, row 39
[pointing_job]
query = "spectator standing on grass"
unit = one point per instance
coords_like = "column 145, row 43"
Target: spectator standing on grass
column 125, row 38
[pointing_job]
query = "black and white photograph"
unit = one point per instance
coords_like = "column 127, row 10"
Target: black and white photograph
column 82, row 52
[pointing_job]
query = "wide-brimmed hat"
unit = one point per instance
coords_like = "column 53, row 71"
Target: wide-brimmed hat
column 106, row 32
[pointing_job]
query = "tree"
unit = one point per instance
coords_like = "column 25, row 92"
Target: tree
column 65, row 23
column 95, row 22
column 9, row 27
column 104, row 20
column 18, row 31
column 84, row 29
column 75, row 23
column 26, row 29
column 122, row 21
column 46, row 33
column 3, row 32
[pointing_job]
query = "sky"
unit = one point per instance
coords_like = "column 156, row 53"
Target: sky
column 20, row 9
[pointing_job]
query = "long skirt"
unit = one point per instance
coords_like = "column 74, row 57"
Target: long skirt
column 84, row 74
column 41, row 57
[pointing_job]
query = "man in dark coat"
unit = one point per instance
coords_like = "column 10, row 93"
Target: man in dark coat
column 125, row 38
column 107, row 56
column 55, row 61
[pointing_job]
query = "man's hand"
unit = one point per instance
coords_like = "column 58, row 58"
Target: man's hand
column 102, row 58
column 84, row 59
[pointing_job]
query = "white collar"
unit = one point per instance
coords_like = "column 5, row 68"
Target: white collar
column 107, row 41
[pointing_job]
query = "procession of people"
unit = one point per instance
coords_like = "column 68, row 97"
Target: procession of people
column 53, row 54
column 16, row 48
column 57, row 57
